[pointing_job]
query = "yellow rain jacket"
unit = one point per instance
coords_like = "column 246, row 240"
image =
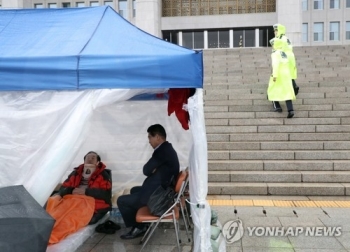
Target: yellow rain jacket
column 288, row 49
column 282, row 88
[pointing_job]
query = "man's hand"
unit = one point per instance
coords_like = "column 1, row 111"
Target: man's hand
column 80, row 191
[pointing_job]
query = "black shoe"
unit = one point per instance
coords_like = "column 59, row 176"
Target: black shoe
column 134, row 233
column 290, row 114
column 279, row 110
column 109, row 227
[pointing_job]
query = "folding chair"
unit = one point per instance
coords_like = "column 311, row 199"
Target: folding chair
column 183, row 207
column 171, row 215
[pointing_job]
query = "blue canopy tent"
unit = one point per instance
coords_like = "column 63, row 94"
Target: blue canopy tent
column 64, row 71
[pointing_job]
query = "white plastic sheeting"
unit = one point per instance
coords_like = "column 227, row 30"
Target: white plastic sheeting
column 43, row 135
column 198, row 180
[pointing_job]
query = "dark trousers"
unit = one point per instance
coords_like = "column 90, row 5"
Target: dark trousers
column 289, row 105
column 96, row 217
column 128, row 206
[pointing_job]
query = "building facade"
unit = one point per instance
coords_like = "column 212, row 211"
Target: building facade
column 203, row 24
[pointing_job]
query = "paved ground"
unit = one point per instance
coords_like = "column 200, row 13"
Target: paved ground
column 292, row 213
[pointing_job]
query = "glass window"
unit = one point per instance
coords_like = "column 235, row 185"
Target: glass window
column 170, row 36
column 265, row 34
column 238, row 38
column 318, row 4
column 305, row 32
column 198, row 40
column 193, row 39
column 318, row 31
column 249, row 38
column 334, row 31
column 334, row 4
column 65, row 5
column 94, row 4
column 80, row 4
column 219, row 39
column 224, row 39
column 347, row 30
column 347, row 3
column 134, row 8
column 109, row 3
column 38, row 6
column 213, row 38
column 187, row 39
column 52, row 5
column 304, row 5
column 123, row 8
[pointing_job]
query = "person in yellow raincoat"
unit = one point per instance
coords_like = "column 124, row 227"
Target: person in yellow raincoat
column 280, row 32
column 280, row 85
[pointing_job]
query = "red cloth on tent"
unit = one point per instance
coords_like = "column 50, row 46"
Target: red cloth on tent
column 177, row 98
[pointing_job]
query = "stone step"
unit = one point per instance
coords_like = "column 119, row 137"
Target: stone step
column 238, row 137
column 296, row 189
column 238, row 83
column 279, row 176
column 276, row 121
column 252, row 150
column 279, row 129
column 279, row 146
column 279, row 165
column 266, row 106
column 279, row 155
column 263, row 114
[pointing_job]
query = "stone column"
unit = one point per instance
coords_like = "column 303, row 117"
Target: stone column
column 13, row 4
column 148, row 16
column 289, row 14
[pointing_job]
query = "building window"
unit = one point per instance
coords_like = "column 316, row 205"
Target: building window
column 238, row 38
column 347, row 3
column 109, row 3
column 94, row 4
column 134, row 8
column 318, row 4
column 304, row 5
column 123, row 8
column 334, row 31
column 38, row 6
column 80, row 4
column 334, row 4
column 305, row 32
column 170, row 36
column 65, row 5
column 193, row 39
column 318, row 32
column 347, row 31
column 218, row 39
column 52, row 5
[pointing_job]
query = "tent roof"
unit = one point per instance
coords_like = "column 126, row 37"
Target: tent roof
column 88, row 48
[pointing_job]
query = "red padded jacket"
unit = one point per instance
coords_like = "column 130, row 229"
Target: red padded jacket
column 99, row 186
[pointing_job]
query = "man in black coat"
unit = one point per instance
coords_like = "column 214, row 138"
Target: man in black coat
column 162, row 167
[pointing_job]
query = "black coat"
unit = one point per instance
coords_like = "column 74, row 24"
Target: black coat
column 166, row 164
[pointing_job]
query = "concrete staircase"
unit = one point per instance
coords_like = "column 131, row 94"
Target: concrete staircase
column 253, row 151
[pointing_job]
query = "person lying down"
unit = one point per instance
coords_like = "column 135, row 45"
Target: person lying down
column 83, row 198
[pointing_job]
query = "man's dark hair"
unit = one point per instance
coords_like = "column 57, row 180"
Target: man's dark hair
column 98, row 156
column 157, row 129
